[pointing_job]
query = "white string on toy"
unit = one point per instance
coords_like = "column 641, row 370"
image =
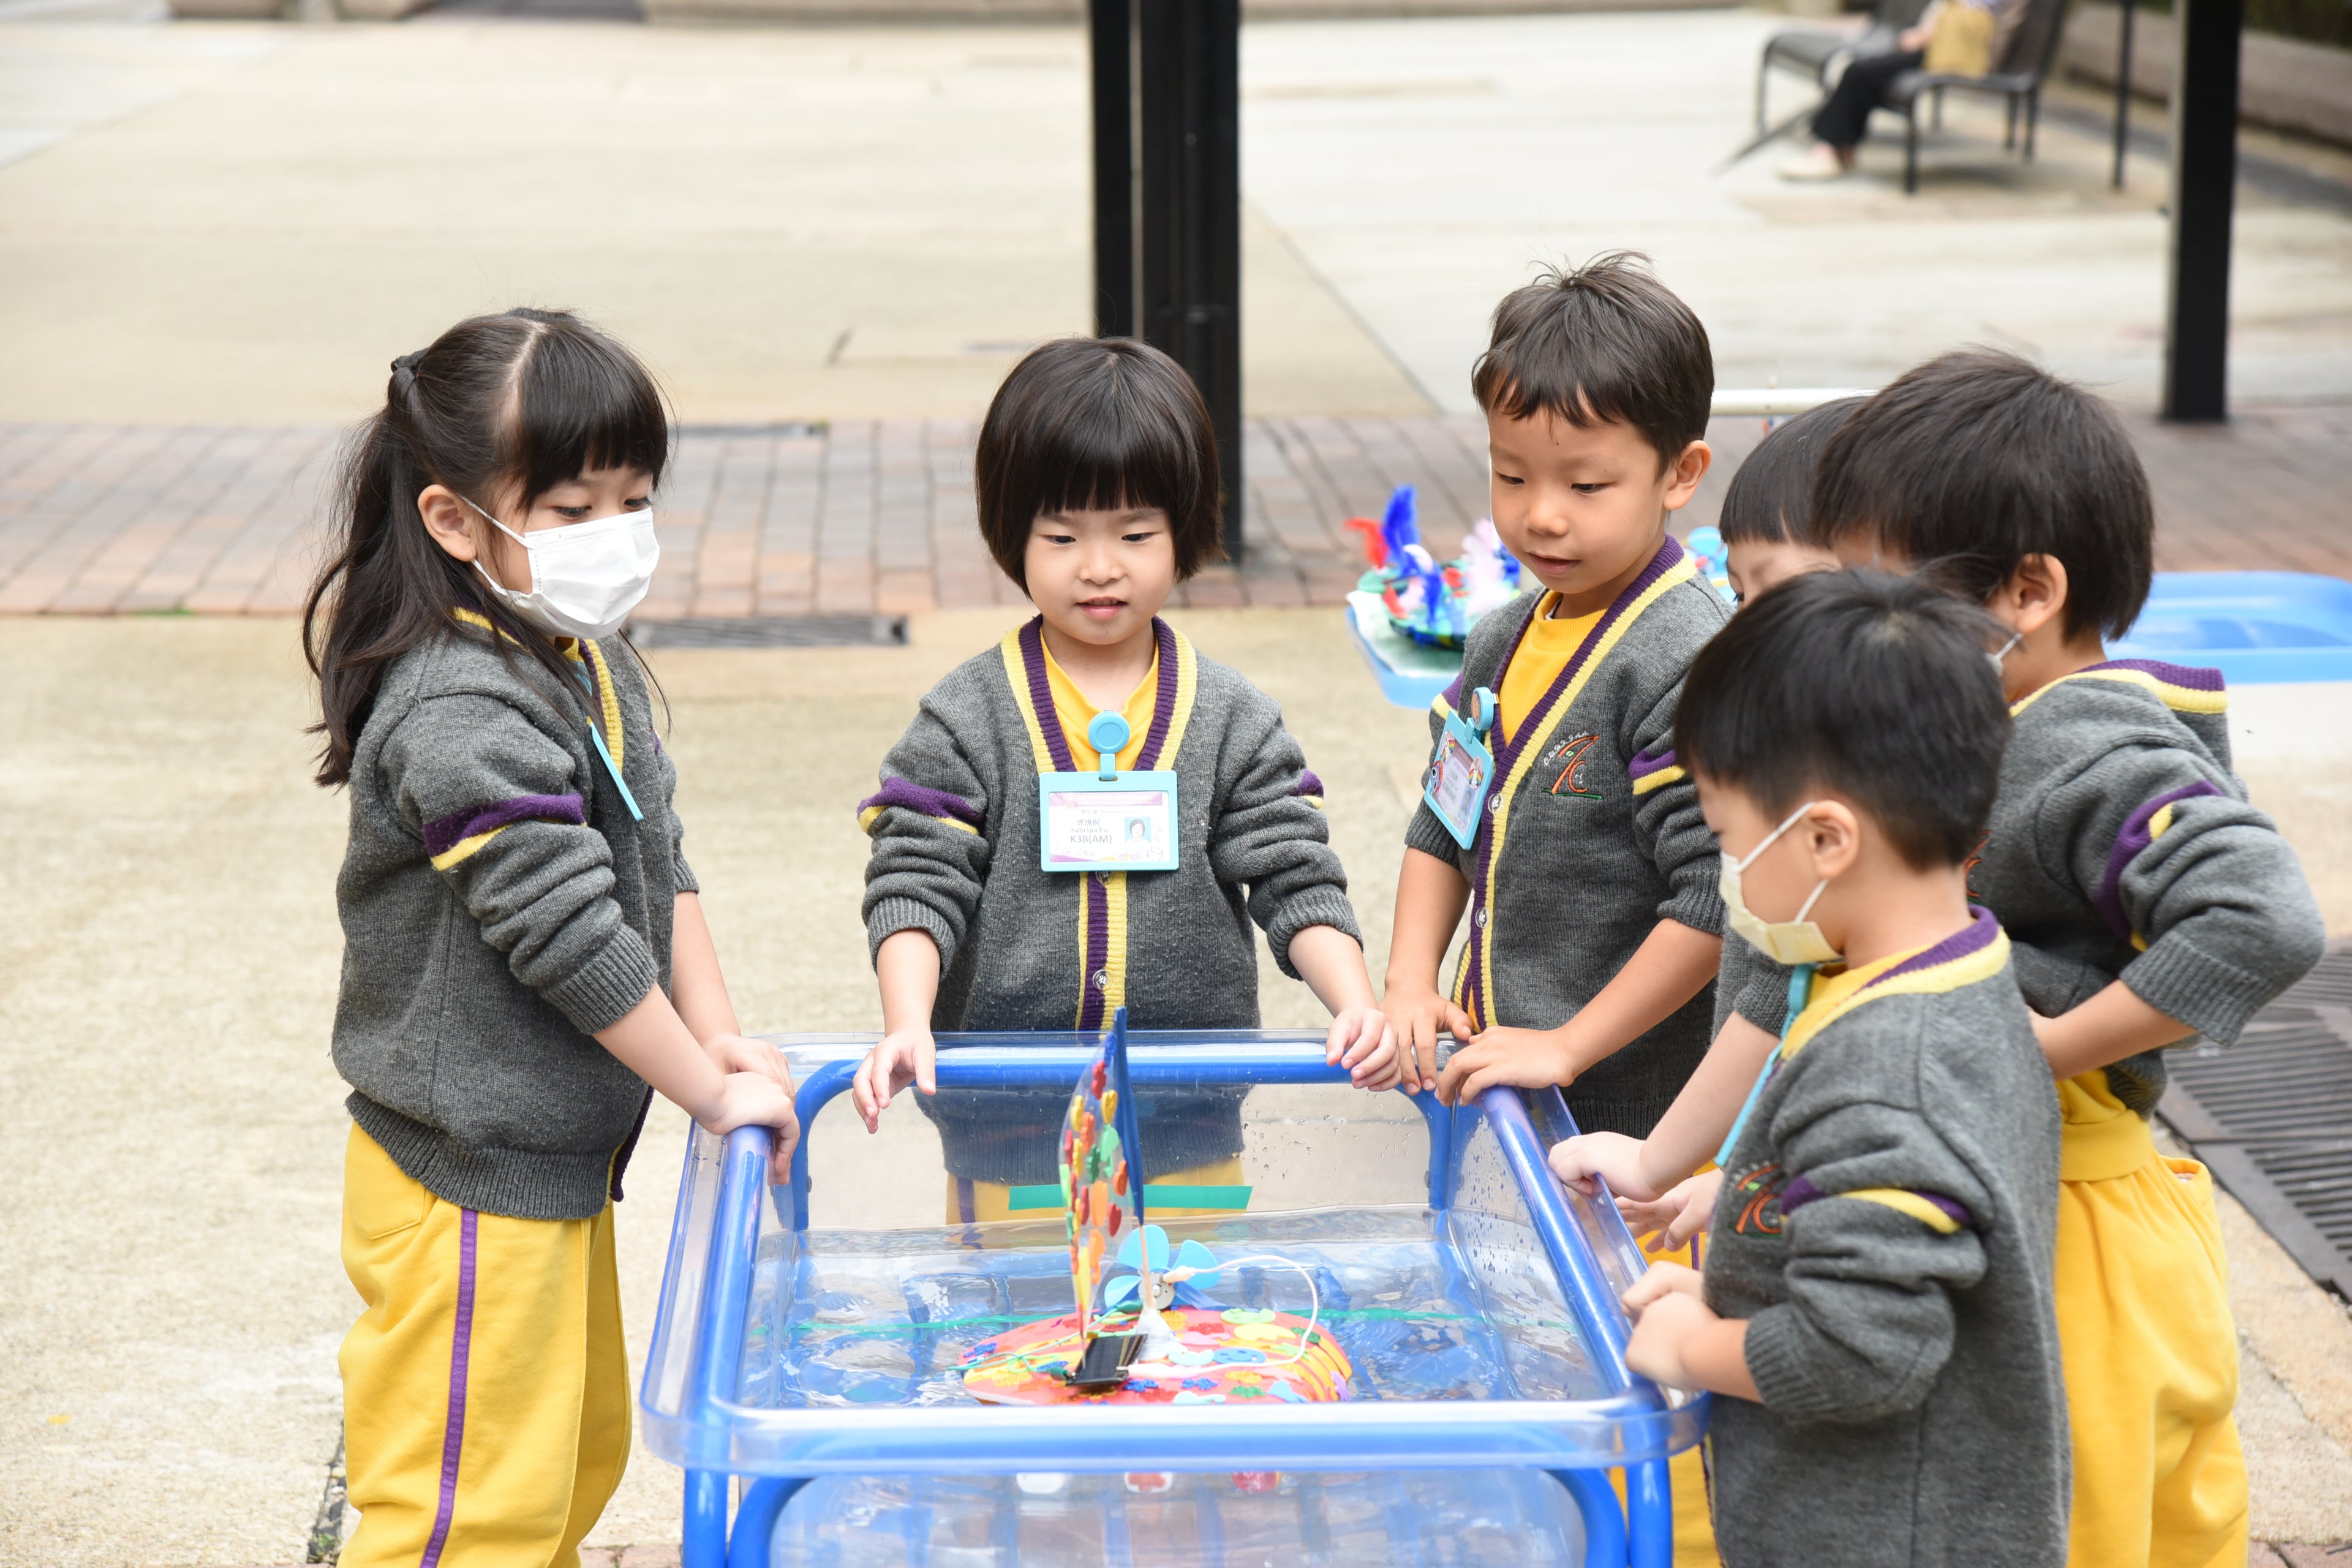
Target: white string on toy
column 1313, row 1300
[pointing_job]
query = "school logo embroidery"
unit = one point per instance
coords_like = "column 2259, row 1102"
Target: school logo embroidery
column 1568, row 758
column 1758, row 1193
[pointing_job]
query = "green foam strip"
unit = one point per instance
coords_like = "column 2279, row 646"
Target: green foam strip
column 1049, row 1195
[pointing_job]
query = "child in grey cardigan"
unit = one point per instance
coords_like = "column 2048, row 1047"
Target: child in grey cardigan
column 1097, row 488
column 2150, row 901
column 1875, row 1313
column 1586, row 872
column 526, row 961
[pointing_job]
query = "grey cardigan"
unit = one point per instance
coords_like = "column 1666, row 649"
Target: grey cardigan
column 1887, row 1224
column 2122, row 847
column 499, row 906
column 1592, row 835
column 955, row 853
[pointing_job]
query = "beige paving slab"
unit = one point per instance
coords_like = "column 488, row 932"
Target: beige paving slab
column 244, row 223
column 1424, row 166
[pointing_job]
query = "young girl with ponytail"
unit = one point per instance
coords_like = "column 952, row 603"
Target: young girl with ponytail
column 525, row 960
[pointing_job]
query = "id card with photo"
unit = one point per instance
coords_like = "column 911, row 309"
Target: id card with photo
column 1125, row 823
column 1458, row 780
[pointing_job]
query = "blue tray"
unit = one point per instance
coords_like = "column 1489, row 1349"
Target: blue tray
column 742, row 1378
column 1410, row 674
column 2256, row 628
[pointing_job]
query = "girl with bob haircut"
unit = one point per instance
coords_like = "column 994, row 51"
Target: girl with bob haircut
column 524, row 949
column 1097, row 485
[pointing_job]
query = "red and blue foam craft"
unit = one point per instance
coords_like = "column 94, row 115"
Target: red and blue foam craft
column 1432, row 603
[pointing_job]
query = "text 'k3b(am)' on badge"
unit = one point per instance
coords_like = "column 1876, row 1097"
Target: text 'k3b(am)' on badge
column 1463, row 770
column 1106, row 820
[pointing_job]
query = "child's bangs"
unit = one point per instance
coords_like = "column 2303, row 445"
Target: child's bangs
column 1584, row 383
column 1518, row 386
column 582, row 404
column 1101, row 459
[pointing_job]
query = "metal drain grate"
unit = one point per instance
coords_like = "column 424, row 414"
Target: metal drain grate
column 772, row 631
column 2273, row 1117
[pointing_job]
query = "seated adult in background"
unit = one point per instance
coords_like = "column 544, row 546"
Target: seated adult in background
column 1955, row 37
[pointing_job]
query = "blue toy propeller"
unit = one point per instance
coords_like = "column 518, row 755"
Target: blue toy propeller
column 1195, row 1268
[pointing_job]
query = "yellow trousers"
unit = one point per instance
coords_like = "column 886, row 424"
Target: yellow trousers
column 486, row 1386
column 2151, row 1353
column 1694, row 1527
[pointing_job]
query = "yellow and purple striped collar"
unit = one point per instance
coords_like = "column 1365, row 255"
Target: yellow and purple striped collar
column 608, row 701
column 1977, row 951
column 1026, row 672
column 1667, row 569
column 1102, row 900
column 2182, row 688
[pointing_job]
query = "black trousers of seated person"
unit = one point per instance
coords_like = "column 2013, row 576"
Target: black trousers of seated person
column 1842, row 120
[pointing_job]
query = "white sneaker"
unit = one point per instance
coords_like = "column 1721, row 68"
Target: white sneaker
column 1818, row 162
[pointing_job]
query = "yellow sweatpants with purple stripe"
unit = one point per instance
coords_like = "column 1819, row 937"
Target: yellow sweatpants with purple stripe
column 2151, row 1352
column 485, row 1387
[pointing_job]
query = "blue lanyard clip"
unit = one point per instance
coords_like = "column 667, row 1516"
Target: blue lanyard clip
column 1800, row 985
column 603, row 750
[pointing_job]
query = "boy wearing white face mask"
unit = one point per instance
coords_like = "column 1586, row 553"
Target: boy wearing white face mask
column 525, row 960
column 1876, row 1301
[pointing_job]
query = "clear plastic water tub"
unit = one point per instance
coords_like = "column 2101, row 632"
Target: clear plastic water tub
column 808, row 1335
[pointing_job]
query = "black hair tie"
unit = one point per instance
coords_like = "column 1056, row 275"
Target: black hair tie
column 404, row 372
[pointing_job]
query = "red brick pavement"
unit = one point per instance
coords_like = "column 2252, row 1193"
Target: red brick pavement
column 866, row 516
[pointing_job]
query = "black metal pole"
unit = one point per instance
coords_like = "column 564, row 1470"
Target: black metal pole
column 2204, row 182
column 2123, row 91
column 1110, row 39
column 1189, row 275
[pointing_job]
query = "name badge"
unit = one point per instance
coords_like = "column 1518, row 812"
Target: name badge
column 1463, row 770
column 1106, row 820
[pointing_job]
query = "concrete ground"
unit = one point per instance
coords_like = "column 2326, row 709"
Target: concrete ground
column 239, row 225
column 242, row 223
column 171, row 1301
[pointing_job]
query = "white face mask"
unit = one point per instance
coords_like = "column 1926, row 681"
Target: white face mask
column 585, row 577
column 1797, row 941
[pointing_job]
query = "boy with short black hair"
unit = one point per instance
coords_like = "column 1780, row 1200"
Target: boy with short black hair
column 1580, row 852
column 1876, row 1299
column 2149, row 901
column 1766, row 504
column 1587, row 871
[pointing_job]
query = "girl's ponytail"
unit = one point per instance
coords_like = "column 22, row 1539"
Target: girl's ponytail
column 528, row 399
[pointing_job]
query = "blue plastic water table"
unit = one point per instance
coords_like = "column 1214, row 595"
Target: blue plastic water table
column 809, row 1335
column 2254, row 626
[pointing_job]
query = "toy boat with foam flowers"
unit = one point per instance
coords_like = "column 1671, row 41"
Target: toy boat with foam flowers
column 1428, row 602
column 1228, row 1356
column 1146, row 1331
